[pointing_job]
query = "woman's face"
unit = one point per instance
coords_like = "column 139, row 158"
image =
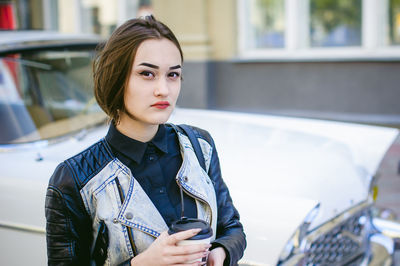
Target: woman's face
column 154, row 83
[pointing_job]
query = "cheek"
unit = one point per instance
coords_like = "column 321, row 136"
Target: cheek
column 176, row 89
column 136, row 90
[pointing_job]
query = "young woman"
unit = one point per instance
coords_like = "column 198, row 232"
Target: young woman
column 113, row 203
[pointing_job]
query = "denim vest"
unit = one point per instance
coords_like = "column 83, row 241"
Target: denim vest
column 102, row 201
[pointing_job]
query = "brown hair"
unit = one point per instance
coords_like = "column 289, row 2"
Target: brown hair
column 113, row 62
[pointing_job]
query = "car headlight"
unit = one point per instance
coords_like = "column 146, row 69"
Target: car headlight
column 297, row 243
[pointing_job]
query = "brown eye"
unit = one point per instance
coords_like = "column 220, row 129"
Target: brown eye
column 174, row 75
column 147, row 74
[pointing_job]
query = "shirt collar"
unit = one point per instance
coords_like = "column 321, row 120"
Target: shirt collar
column 135, row 149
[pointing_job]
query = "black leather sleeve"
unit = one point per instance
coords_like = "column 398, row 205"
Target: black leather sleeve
column 230, row 233
column 68, row 226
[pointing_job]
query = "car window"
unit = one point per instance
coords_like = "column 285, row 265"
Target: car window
column 46, row 94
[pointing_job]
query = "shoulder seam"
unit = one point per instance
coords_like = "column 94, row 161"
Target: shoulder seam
column 82, row 176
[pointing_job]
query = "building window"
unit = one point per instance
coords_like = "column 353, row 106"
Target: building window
column 394, row 22
column 265, row 24
column 335, row 23
column 87, row 16
column 319, row 29
column 98, row 17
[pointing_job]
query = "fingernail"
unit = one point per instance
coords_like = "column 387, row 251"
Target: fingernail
column 195, row 231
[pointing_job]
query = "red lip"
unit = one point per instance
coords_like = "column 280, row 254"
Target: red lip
column 161, row 105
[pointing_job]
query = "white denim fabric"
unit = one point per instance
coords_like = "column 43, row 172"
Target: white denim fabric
column 102, row 201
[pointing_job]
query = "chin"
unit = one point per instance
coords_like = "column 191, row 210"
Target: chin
column 159, row 119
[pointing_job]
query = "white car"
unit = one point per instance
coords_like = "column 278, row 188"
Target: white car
column 304, row 188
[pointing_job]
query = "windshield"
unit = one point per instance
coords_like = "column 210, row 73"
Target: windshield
column 46, row 94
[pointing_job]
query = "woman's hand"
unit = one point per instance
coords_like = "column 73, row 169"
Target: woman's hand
column 164, row 251
column 216, row 257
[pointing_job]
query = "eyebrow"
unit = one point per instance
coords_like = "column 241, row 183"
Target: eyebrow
column 157, row 67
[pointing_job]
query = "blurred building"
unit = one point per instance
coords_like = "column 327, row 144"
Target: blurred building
column 317, row 58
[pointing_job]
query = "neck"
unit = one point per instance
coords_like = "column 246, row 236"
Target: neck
column 136, row 130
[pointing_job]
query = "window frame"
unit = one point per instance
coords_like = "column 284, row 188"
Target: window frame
column 374, row 41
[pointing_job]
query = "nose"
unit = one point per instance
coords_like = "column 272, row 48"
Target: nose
column 161, row 89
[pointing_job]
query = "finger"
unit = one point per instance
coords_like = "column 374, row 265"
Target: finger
column 162, row 238
column 175, row 238
column 190, row 249
column 195, row 258
column 190, row 264
column 163, row 235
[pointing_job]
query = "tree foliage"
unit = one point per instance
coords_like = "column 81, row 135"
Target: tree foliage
column 332, row 13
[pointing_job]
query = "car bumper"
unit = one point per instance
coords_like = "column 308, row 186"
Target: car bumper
column 382, row 249
column 385, row 244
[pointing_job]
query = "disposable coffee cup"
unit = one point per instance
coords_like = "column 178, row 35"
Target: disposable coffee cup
column 203, row 237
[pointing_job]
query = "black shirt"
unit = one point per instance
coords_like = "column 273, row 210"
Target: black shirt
column 154, row 165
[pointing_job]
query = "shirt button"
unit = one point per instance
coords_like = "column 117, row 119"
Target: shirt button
column 151, row 158
column 162, row 190
column 115, row 220
column 129, row 215
column 185, row 178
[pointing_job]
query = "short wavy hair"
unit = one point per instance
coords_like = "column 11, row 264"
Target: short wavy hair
column 113, row 62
